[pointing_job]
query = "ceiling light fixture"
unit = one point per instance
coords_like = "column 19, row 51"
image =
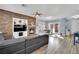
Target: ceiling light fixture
column 76, row 16
column 37, row 14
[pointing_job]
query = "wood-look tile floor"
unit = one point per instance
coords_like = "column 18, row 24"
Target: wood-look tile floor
column 41, row 50
column 65, row 46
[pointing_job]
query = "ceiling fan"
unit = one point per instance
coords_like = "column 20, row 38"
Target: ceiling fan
column 37, row 14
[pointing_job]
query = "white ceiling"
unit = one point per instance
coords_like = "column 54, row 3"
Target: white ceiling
column 54, row 11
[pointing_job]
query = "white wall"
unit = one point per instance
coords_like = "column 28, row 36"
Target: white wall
column 75, row 26
column 64, row 25
column 59, row 26
column 40, row 26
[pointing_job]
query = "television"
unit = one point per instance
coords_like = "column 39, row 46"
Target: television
column 20, row 28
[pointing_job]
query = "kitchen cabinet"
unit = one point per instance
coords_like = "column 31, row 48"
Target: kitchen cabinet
column 24, row 47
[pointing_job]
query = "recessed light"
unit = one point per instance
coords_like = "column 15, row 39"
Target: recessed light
column 49, row 17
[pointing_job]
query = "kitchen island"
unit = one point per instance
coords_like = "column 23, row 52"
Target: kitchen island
column 23, row 45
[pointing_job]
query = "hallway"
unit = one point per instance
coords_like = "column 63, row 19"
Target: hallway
column 65, row 47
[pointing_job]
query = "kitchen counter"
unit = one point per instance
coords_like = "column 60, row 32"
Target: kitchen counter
column 16, row 40
column 23, row 45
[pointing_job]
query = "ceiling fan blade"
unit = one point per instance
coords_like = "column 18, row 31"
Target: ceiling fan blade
column 37, row 13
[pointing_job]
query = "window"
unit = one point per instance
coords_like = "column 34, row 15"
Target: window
column 51, row 26
column 56, row 27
